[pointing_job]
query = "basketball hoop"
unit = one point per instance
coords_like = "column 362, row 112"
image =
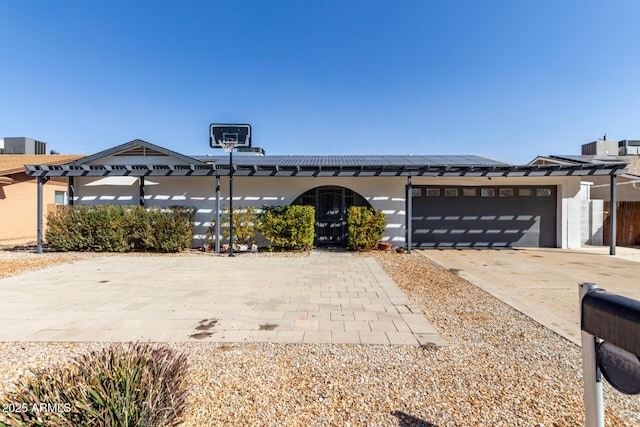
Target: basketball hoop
column 228, row 146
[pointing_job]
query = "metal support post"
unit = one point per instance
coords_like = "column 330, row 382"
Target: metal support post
column 613, row 216
column 593, row 409
column 41, row 181
column 70, row 191
column 217, row 214
column 408, row 215
column 141, row 201
column 231, row 202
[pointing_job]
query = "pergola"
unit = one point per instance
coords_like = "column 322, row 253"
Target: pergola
column 323, row 166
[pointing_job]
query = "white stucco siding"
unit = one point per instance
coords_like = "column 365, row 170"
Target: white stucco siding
column 385, row 193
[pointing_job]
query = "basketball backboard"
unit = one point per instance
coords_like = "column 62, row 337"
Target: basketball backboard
column 228, row 133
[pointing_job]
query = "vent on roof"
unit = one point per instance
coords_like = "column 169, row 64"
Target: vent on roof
column 141, row 152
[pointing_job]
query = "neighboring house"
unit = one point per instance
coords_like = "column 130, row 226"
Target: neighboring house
column 627, row 185
column 454, row 201
column 18, row 193
column 597, row 189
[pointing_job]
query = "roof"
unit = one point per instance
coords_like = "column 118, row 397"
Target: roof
column 582, row 159
column 632, row 162
column 353, row 160
column 14, row 163
column 307, row 165
column 137, row 147
column 633, row 168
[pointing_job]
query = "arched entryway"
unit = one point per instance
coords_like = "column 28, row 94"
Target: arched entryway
column 331, row 204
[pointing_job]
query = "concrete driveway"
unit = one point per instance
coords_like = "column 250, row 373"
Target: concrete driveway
column 543, row 283
column 327, row 297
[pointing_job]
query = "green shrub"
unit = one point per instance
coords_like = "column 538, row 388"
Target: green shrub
column 107, row 226
column 110, row 228
column 132, row 385
column 172, row 229
column 288, row 227
column 244, row 225
column 365, row 227
column 66, row 228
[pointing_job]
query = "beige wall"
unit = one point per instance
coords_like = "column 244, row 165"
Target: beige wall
column 19, row 205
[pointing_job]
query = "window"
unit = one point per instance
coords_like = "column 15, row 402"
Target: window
column 432, row 192
column 450, row 192
column 524, row 192
column 60, row 198
column 488, row 192
column 469, row 192
column 506, row 192
column 543, row 192
column 416, row 192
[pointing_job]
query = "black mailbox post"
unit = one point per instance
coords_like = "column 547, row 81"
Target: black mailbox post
column 610, row 346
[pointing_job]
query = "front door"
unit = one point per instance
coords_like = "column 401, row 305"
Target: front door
column 331, row 218
column 331, row 204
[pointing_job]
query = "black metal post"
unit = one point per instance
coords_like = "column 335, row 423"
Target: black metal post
column 231, row 202
column 218, row 214
column 70, row 191
column 613, row 216
column 409, row 214
column 141, row 191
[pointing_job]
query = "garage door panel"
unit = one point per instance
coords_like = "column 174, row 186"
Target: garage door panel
column 484, row 222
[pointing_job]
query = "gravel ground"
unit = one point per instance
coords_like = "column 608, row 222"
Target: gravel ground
column 501, row 369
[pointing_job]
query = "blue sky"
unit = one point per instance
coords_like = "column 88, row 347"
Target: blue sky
column 505, row 79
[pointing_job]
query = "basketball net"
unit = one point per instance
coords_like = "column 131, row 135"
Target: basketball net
column 227, row 146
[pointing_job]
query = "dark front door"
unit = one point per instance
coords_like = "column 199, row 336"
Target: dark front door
column 331, row 217
column 331, row 204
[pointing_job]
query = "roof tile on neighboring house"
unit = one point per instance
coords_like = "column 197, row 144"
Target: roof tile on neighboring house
column 633, row 168
column 14, row 163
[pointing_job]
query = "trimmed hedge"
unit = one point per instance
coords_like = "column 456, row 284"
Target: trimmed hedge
column 288, row 227
column 111, row 228
column 244, row 225
column 365, row 227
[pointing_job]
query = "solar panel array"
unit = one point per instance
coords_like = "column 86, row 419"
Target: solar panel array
column 353, row 160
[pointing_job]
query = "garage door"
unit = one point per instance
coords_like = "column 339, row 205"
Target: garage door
column 523, row 216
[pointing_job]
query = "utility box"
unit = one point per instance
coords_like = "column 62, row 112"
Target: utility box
column 600, row 148
column 22, row 145
column 629, row 147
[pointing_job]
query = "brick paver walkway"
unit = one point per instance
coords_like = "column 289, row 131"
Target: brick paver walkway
column 328, row 297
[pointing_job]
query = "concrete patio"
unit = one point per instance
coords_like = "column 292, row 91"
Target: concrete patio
column 328, row 297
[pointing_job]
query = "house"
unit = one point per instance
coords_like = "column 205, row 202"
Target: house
column 453, row 201
column 18, row 209
column 597, row 189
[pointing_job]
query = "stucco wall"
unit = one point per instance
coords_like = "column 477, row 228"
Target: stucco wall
column 18, row 206
column 385, row 193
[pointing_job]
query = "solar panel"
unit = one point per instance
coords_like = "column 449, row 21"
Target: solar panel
column 354, row 160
